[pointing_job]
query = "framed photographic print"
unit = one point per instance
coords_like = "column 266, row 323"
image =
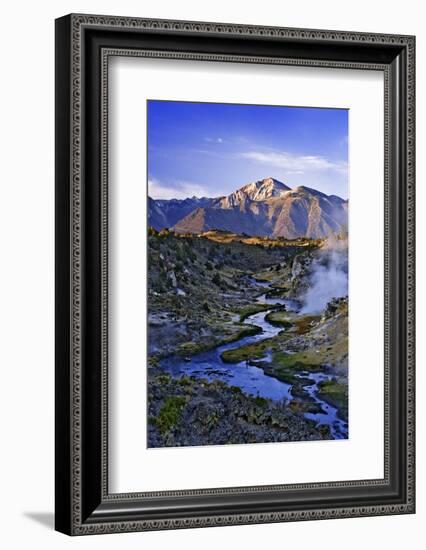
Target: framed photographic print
column 234, row 274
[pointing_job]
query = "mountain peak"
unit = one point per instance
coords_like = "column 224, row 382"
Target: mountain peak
column 255, row 191
column 264, row 189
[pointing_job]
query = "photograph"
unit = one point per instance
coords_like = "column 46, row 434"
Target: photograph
column 248, row 303
column 234, row 275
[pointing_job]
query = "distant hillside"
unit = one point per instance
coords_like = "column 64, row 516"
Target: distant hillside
column 166, row 213
column 266, row 207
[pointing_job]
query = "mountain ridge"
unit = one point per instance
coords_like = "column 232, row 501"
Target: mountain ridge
column 266, row 207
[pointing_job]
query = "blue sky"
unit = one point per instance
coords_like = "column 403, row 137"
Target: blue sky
column 211, row 149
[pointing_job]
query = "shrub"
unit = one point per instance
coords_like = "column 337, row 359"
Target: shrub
column 169, row 414
column 260, row 401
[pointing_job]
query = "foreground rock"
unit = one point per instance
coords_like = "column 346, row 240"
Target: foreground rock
column 189, row 411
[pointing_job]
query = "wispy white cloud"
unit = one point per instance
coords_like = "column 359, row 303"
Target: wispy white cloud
column 179, row 190
column 296, row 164
column 214, row 140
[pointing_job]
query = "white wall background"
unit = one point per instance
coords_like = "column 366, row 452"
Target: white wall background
column 26, row 289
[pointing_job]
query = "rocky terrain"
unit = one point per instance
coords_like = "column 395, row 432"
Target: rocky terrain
column 190, row 411
column 226, row 309
column 197, row 289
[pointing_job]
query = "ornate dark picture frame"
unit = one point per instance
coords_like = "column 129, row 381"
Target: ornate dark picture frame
column 84, row 44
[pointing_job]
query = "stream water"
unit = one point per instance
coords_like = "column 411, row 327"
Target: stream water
column 251, row 379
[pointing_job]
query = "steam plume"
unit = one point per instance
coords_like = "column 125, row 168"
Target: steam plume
column 329, row 275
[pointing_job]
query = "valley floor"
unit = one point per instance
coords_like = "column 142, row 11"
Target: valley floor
column 232, row 359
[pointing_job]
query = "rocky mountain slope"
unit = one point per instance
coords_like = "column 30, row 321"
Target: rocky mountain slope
column 166, row 213
column 257, row 191
column 266, row 207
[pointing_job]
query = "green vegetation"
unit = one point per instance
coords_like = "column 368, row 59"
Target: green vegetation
column 260, row 401
column 169, row 414
column 287, row 366
column 247, row 353
column 163, row 379
column 246, row 311
column 245, row 330
column 308, row 360
column 278, row 292
column 336, row 394
column 242, row 331
column 192, row 348
column 185, row 381
column 279, row 319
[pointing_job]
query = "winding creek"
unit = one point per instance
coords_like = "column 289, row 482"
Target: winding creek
column 251, row 379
